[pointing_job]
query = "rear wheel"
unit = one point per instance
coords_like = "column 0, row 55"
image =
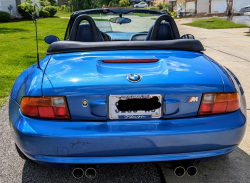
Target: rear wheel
column 20, row 153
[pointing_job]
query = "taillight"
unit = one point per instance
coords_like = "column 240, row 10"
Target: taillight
column 215, row 103
column 45, row 107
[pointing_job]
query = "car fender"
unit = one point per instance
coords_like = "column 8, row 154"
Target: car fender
column 29, row 81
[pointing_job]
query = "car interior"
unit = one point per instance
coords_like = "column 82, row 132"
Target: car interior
column 163, row 34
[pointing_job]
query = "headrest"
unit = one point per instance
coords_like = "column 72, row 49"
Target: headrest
column 85, row 33
column 164, row 32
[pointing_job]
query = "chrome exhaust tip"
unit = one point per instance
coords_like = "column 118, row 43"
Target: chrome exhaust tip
column 90, row 173
column 179, row 171
column 77, row 173
column 192, row 170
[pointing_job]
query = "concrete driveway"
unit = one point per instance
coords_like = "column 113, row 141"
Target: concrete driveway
column 228, row 47
column 231, row 48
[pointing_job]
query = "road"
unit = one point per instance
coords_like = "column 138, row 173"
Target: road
column 228, row 47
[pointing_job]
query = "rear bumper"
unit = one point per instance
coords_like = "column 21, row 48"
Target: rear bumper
column 126, row 141
column 130, row 159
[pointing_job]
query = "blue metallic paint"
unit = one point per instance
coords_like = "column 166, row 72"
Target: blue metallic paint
column 177, row 74
column 130, row 138
column 81, row 76
column 29, row 82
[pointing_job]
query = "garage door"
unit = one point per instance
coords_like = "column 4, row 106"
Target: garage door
column 218, row 6
column 203, row 6
column 190, row 6
column 238, row 4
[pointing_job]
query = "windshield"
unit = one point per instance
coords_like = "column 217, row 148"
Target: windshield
column 140, row 22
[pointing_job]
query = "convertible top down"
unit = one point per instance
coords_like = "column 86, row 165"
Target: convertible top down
column 113, row 93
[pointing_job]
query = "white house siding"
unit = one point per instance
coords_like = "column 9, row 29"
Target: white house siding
column 238, row 4
column 4, row 4
column 218, row 6
column 190, row 6
column 34, row 1
column 203, row 6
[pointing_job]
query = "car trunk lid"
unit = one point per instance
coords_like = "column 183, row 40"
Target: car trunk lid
column 180, row 77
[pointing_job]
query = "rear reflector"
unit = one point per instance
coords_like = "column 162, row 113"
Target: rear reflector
column 215, row 103
column 130, row 60
column 45, row 107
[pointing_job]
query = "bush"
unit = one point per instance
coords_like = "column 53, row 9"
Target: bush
column 153, row 8
column 174, row 14
column 23, row 13
column 44, row 13
column 64, row 8
column 51, row 9
column 4, row 16
column 160, row 6
column 124, row 3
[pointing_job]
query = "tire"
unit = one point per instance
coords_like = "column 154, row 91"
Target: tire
column 20, row 153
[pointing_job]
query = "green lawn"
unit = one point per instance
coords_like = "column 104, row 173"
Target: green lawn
column 68, row 14
column 145, row 14
column 63, row 14
column 156, row 18
column 18, row 48
column 215, row 23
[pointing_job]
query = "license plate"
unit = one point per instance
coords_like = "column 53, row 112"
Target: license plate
column 114, row 113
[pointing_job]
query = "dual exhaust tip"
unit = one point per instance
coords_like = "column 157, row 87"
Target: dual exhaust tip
column 78, row 173
column 90, row 173
column 180, row 171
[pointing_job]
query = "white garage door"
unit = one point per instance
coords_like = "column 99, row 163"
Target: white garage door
column 219, row 6
column 190, row 6
column 238, row 4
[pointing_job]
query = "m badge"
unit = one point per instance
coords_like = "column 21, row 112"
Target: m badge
column 191, row 99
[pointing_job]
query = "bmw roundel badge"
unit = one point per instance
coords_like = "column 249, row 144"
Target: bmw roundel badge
column 134, row 78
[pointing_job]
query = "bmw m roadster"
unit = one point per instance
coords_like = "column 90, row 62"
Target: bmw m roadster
column 126, row 90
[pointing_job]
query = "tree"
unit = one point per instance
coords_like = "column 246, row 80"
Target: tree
column 28, row 7
column 44, row 3
column 124, row 3
column 53, row 2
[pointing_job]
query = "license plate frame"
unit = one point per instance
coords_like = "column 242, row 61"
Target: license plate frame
column 113, row 114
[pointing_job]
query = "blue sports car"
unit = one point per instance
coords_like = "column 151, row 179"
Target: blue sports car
column 126, row 88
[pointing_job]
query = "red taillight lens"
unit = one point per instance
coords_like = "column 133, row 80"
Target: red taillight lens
column 45, row 107
column 215, row 103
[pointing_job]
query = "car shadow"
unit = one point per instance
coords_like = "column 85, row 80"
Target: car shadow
column 11, row 30
column 146, row 172
column 231, row 168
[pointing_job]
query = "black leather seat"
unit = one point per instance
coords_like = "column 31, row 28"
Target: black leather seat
column 85, row 33
column 164, row 33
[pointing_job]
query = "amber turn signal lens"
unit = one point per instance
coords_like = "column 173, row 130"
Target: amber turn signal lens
column 45, row 107
column 215, row 103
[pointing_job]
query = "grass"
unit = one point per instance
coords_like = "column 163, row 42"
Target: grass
column 63, row 14
column 215, row 23
column 156, row 18
column 18, row 48
column 144, row 14
column 68, row 14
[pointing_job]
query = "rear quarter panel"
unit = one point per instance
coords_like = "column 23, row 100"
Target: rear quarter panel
column 29, row 81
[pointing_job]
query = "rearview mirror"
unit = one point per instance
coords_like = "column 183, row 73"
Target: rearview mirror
column 120, row 20
column 187, row 36
column 51, row 39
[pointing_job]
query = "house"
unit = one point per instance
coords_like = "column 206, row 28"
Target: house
column 205, row 7
column 11, row 6
column 62, row 2
column 216, row 7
